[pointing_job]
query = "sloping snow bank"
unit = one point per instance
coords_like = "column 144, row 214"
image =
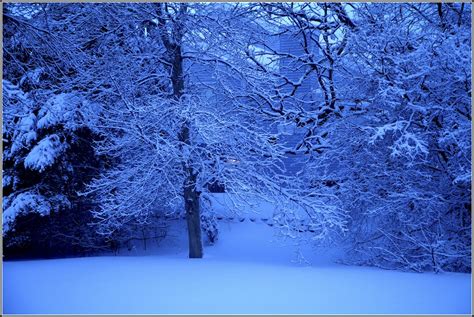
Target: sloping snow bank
column 250, row 270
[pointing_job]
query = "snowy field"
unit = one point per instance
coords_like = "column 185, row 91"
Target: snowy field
column 246, row 272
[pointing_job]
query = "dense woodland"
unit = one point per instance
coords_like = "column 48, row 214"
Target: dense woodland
column 107, row 125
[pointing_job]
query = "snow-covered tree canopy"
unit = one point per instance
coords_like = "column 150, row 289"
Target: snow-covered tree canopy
column 207, row 123
column 353, row 117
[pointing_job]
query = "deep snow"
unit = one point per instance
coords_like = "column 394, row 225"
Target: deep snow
column 248, row 271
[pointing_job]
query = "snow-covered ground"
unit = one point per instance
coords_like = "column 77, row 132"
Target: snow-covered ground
column 248, row 271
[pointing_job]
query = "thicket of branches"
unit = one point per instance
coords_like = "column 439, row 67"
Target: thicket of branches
column 116, row 114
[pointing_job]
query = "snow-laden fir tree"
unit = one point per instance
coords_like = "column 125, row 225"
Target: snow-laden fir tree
column 47, row 142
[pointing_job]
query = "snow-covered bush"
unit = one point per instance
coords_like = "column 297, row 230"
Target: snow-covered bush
column 209, row 223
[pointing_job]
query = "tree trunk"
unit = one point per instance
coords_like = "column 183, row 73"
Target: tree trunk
column 193, row 216
column 191, row 195
column 191, row 202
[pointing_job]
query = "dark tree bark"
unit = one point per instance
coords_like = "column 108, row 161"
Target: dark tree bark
column 193, row 215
